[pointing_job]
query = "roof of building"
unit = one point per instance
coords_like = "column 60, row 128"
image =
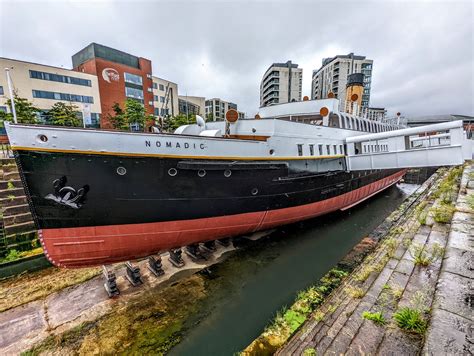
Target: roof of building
column 95, row 50
column 163, row 79
column 328, row 60
column 282, row 65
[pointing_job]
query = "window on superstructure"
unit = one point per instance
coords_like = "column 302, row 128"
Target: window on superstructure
column 311, row 150
column 341, row 150
column 328, row 149
column 335, row 149
column 300, row 149
column 1, row 90
column 320, row 148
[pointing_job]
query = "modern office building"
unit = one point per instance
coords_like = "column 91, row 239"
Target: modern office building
column 45, row 85
column 216, row 109
column 333, row 74
column 120, row 76
column 165, row 98
column 281, row 83
column 192, row 105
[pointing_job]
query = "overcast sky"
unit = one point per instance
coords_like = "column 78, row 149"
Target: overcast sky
column 423, row 51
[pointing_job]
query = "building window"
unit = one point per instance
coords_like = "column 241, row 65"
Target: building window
column 1, row 90
column 311, row 150
column 162, row 99
column 157, row 112
column 155, row 97
column 42, row 94
column 133, row 78
column 155, row 86
column 300, row 149
column 133, row 93
column 3, row 108
column 59, row 78
column 162, row 87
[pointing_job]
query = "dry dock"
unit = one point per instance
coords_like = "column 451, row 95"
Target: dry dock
column 413, row 295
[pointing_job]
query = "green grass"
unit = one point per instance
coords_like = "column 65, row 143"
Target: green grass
column 376, row 317
column 410, row 320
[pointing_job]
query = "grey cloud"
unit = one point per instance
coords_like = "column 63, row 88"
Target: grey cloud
column 422, row 51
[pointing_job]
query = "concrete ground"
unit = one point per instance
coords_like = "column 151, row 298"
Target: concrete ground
column 24, row 326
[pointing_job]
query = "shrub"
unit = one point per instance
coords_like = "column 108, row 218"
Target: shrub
column 11, row 256
column 410, row 320
column 376, row 317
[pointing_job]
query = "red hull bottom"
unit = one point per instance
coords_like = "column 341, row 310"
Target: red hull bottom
column 96, row 245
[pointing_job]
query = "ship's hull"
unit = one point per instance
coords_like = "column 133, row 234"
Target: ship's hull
column 96, row 209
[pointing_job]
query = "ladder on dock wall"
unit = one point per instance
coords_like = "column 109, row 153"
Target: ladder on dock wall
column 435, row 145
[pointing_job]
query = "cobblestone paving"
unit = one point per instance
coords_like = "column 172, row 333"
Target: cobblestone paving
column 389, row 280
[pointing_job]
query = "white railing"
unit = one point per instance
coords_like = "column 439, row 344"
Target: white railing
column 425, row 146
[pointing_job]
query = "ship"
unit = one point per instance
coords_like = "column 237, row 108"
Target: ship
column 105, row 196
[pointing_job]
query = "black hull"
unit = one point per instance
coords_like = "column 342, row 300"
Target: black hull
column 79, row 190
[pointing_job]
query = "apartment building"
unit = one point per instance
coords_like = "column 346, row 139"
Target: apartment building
column 120, row 76
column 45, row 85
column 165, row 98
column 332, row 76
column 378, row 114
column 281, row 83
column 192, row 105
column 216, row 109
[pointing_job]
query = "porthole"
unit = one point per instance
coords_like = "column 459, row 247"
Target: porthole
column 254, row 191
column 172, row 172
column 42, row 138
column 201, row 173
column 121, row 171
column 272, row 151
column 227, row 173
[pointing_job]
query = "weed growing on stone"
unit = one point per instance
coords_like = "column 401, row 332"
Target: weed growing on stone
column 443, row 213
column 11, row 197
column 425, row 256
column 470, row 201
column 355, row 292
column 411, row 320
column 364, row 273
column 309, row 352
column 318, row 315
column 376, row 317
column 397, row 292
column 10, row 185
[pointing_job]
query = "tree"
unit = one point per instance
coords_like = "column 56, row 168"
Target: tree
column 62, row 114
column 119, row 121
column 26, row 113
column 209, row 117
column 172, row 123
column 133, row 114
